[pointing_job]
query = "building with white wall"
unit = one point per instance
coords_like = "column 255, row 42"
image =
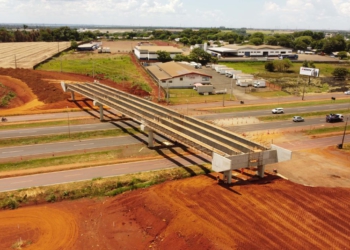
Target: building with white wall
column 150, row 52
column 234, row 50
column 177, row 75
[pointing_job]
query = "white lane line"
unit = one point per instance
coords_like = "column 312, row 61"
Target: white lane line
column 9, row 152
column 21, row 182
column 84, row 144
column 72, row 175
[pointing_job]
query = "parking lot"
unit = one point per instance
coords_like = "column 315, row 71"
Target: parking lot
column 221, row 82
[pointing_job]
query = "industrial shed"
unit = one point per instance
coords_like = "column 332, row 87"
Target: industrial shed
column 150, row 52
column 234, row 50
column 176, row 75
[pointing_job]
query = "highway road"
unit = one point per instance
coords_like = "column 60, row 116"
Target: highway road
column 297, row 111
column 59, row 147
column 15, row 183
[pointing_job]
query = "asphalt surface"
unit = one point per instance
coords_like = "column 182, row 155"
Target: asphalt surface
column 60, row 177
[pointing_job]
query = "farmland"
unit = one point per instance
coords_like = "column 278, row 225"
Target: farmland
column 27, row 54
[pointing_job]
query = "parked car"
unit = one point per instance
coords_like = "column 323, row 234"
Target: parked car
column 277, row 111
column 298, row 119
column 347, row 92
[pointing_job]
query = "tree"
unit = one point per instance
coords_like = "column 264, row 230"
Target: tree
column 342, row 54
column 74, row 44
column 282, row 65
column 163, row 56
column 271, row 40
column 199, row 55
column 309, row 64
column 181, row 58
column 269, row 66
column 256, row 41
column 340, row 73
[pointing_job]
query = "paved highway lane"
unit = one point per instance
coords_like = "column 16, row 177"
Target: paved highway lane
column 59, row 147
column 309, row 123
column 46, row 179
column 297, row 111
column 67, row 129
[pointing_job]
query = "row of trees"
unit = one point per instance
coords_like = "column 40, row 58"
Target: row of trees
column 45, row 34
column 300, row 40
column 197, row 55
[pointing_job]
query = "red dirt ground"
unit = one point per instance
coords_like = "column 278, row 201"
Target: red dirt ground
column 194, row 213
column 46, row 88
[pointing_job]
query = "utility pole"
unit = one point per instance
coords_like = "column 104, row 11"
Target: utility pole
column 223, row 100
column 231, row 89
column 342, row 142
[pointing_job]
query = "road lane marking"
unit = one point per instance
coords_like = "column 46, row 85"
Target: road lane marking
column 84, row 144
column 9, row 152
column 21, row 182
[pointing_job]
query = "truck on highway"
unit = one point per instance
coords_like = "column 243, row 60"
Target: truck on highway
column 205, row 89
column 334, row 118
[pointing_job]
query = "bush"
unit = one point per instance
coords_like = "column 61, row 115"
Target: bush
column 51, row 198
column 340, row 72
column 269, row 66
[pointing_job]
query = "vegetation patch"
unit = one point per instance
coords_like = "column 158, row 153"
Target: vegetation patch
column 97, row 187
column 66, row 137
column 327, row 130
column 183, row 96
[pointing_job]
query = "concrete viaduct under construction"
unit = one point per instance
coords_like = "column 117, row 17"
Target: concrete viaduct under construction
column 229, row 151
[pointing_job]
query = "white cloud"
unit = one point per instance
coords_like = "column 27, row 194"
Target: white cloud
column 172, row 6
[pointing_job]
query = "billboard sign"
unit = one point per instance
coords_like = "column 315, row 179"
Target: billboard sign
column 309, row 71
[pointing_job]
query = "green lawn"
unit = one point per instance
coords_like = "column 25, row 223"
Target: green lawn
column 118, row 68
column 183, row 96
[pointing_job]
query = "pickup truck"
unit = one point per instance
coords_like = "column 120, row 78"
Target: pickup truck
column 334, row 118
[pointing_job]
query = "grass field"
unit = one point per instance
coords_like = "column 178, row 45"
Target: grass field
column 118, row 68
column 182, row 96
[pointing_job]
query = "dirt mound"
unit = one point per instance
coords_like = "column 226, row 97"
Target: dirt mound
column 194, row 213
column 43, row 89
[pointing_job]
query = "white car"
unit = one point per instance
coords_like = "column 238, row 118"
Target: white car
column 298, row 119
column 347, row 92
column 277, row 111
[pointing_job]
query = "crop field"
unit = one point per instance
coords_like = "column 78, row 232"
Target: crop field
column 27, row 54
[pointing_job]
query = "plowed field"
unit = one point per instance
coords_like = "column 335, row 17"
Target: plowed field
column 195, row 213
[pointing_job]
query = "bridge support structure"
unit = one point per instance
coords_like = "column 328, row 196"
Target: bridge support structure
column 101, row 109
column 72, row 95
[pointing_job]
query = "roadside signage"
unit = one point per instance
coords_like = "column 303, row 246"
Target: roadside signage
column 309, row 71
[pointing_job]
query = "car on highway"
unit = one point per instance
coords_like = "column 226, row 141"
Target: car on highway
column 277, row 111
column 347, row 92
column 298, row 119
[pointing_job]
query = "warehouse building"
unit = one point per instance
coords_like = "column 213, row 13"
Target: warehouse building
column 150, row 52
column 176, row 75
column 234, row 50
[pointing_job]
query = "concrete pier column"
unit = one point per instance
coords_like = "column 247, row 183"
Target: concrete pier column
column 261, row 170
column 228, row 176
column 150, row 138
column 72, row 95
column 101, row 112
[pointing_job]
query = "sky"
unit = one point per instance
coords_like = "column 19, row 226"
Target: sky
column 271, row 14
